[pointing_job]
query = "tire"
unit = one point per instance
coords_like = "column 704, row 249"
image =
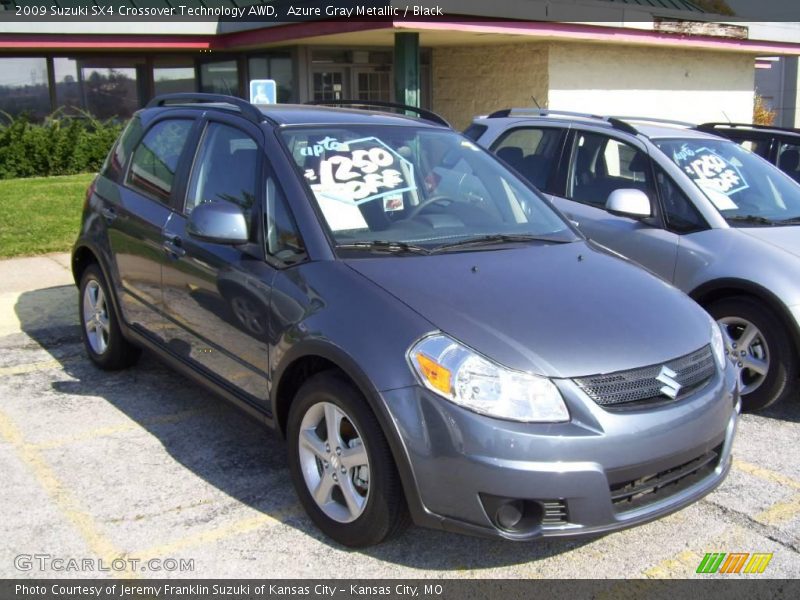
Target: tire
column 377, row 510
column 102, row 338
column 769, row 348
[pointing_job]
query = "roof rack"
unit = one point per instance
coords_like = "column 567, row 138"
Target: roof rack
column 615, row 122
column 655, row 120
column 715, row 125
column 423, row 113
column 250, row 112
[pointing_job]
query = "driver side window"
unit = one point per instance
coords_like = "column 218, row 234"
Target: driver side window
column 602, row 164
column 225, row 169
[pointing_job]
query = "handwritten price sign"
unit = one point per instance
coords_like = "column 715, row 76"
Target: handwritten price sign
column 711, row 171
column 361, row 171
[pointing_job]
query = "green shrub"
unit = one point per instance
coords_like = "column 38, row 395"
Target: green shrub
column 61, row 145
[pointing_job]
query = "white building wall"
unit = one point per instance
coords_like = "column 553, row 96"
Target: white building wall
column 690, row 85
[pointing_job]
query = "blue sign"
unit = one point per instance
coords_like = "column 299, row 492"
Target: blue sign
column 263, row 91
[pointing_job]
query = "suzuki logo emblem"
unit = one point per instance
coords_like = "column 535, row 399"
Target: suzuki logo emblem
column 671, row 387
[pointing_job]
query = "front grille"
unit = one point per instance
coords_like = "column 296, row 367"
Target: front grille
column 635, row 493
column 636, row 385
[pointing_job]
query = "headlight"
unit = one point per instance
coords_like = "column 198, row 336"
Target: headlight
column 462, row 376
column 717, row 343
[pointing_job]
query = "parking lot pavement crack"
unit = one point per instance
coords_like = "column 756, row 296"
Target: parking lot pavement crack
column 751, row 523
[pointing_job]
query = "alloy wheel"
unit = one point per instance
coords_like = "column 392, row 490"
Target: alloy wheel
column 746, row 347
column 334, row 462
column 95, row 317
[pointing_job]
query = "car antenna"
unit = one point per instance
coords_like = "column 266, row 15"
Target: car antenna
column 726, row 116
column 535, row 102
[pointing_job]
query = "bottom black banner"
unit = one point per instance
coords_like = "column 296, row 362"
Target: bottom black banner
column 436, row 589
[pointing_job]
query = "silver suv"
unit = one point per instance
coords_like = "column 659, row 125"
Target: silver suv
column 703, row 213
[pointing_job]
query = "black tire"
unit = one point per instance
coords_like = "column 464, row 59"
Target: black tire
column 118, row 352
column 780, row 379
column 385, row 513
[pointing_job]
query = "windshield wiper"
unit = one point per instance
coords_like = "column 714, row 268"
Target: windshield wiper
column 385, row 246
column 497, row 238
column 753, row 219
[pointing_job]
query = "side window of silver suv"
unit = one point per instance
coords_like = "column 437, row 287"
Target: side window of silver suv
column 603, row 164
column 532, row 151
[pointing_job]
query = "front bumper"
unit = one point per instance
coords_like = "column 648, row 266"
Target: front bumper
column 589, row 476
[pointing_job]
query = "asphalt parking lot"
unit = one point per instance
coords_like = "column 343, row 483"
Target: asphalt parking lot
column 142, row 464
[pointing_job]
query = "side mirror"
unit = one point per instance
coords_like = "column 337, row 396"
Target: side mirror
column 218, row 223
column 629, row 202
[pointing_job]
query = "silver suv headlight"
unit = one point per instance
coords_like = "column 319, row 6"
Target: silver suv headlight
column 468, row 379
column 717, row 343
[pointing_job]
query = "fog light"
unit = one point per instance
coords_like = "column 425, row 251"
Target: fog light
column 509, row 514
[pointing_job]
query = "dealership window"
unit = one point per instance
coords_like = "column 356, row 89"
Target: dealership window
column 173, row 75
column 24, row 87
column 110, row 91
column 277, row 67
column 220, row 77
column 68, row 86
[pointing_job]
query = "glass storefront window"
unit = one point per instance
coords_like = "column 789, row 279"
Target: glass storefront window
column 171, row 80
column 110, row 92
column 278, row 68
column 24, row 87
column 220, row 78
column 68, row 87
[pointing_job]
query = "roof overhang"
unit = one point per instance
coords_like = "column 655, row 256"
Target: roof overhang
column 381, row 33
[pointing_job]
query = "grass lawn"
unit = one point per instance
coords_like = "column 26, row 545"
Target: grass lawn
column 40, row 214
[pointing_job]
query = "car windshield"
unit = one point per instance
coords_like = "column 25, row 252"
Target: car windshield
column 415, row 186
column 746, row 189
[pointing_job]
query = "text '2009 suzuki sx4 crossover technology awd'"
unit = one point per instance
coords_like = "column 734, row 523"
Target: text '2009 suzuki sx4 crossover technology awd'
column 469, row 359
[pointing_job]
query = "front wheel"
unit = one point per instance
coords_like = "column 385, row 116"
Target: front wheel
column 759, row 346
column 341, row 465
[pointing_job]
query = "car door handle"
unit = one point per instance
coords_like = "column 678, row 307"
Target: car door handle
column 109, row 214
column 173, row 247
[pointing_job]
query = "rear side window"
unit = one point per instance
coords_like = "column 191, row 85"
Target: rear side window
column 155, row 161
column 475, row 131
column 115, row 163
column 532, row 151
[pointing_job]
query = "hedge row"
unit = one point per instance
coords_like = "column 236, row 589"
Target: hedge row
column 61, row 145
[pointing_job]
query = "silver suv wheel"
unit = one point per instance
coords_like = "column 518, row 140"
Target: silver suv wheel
column 334, row 462
column 747, row 349
column 95, row 317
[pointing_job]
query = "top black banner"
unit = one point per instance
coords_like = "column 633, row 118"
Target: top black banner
column 287, row 11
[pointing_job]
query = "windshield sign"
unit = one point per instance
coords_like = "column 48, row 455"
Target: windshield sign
column 415, row 186
column 746, row 189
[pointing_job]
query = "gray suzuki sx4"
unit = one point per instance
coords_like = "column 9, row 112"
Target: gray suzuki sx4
column 433, row 339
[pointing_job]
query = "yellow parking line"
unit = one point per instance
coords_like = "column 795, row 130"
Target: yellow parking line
column 241, row 526
column 61, row 497
column 125, row 427
column 29, row 368
column 688, row 559
column 780, row 512
column 766, row 474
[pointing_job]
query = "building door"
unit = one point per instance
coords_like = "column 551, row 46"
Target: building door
column 372, row 84
column 329, row 83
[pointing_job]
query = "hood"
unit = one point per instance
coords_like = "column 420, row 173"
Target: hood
column 560, row 310
column 786, row 238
